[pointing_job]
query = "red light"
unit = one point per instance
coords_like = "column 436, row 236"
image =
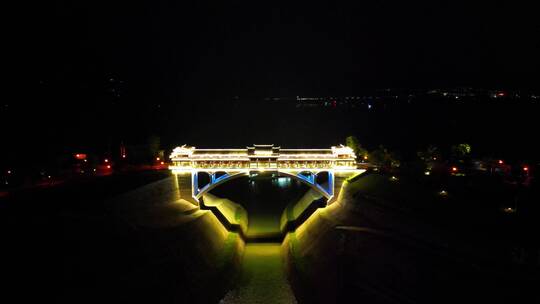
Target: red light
column 500, row 162
column 454, row 169
column 525, row 168
column 162, row 163
column 80, row 156
column 108, row 166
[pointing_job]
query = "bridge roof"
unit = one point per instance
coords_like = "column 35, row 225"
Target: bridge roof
column 266, row 151
column 306, row 151
column 219, row 151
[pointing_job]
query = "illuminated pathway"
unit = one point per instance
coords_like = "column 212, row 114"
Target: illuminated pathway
column 263, row 279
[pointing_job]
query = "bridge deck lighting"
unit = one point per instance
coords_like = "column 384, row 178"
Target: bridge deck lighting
column 303, row 164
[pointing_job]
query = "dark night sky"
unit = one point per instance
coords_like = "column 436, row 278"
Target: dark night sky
column 182, row 55
column 178, row 48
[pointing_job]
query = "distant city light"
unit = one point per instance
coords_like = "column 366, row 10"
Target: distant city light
column 525, row 168
column 162, row 163
column 9, row 172
column 427, row 173
column 500, row 162
column 106, row 160
column 123, row 156
column 509, row 210
column 157, row 158
column 108, row 166
column 454, row 169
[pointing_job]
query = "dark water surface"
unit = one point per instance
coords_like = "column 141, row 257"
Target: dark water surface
column 264, row 197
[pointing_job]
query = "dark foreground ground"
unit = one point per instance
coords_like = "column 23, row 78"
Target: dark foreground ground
column 399, row 241
column 116, row 239
column 128, row 239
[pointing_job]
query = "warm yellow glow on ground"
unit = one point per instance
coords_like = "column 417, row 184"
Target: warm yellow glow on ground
column 234, row 213
column 263, row 279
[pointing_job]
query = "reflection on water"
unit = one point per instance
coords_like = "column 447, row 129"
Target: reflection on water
column 264, row 196
column 282, row 182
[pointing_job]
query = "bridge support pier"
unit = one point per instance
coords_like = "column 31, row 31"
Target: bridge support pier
column 339, row 179
column 185, row 187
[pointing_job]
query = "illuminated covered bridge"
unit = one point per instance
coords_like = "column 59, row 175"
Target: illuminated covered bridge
column 307, row 165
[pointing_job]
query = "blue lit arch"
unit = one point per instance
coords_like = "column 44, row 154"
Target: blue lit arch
column 307, row 177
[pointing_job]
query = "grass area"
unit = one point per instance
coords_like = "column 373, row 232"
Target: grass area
column 383, row 187
column 466, row 197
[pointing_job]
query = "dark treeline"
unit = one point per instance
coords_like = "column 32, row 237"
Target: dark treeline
column 502, row 128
